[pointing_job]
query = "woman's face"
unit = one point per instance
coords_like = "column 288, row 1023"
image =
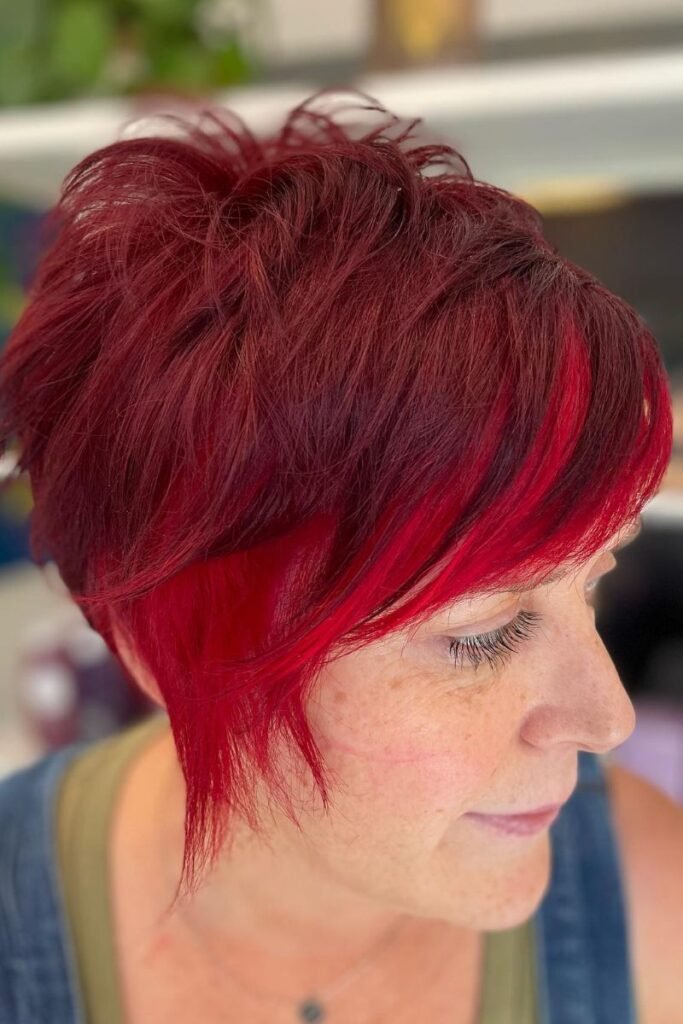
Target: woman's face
column 416, row 737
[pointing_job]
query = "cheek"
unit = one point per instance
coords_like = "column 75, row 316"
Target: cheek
column 409, row 756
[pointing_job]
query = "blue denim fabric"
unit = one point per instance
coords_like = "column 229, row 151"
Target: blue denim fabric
column 583, row 957
column 583, row 960
column 38, row 981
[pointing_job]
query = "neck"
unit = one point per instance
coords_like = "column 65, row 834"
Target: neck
column 271, row 910
column 267, row 917
column 271, row 894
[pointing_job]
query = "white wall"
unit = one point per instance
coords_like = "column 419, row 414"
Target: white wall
column 303, row 29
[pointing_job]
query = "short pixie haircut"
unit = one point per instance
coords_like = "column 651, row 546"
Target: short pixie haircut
column 279, row 395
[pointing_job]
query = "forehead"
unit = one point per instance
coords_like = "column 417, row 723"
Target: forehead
column 620, row 540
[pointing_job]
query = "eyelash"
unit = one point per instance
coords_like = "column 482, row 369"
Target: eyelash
column 495, row 647
column 499, row 645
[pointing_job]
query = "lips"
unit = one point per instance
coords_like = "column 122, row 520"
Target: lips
column 518, row 824
column 535, row 811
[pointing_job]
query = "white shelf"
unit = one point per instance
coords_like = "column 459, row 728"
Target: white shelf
column 606, row 123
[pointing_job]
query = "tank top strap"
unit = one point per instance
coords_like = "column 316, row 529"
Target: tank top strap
column 37, row 965
column 583, row 958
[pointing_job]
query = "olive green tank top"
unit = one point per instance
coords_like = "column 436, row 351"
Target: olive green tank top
column 84, row 809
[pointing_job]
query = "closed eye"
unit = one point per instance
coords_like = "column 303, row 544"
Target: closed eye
column 495, row 647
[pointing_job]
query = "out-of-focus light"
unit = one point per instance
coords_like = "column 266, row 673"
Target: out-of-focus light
column 574, row 194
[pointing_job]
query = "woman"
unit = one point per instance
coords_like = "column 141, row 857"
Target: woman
column 332, row 447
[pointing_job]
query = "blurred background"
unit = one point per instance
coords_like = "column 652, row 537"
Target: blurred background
column 575, row 105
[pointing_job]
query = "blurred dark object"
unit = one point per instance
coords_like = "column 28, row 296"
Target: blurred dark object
column 69, row 685
column 63, row 49
column 15, row 506
column 424, row 34
column 640, row 612
column 19, row 250
column 633, row 247
column 639, row 615
column 19, row 247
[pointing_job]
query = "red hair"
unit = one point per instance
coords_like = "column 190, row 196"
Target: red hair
column 280, row 395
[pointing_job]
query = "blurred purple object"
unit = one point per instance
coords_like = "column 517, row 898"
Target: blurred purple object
column 69, row 685
column 654, row 749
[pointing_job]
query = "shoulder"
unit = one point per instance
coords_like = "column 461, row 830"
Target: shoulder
column 649, row 826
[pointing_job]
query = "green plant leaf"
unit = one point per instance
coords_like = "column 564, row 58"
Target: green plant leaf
column 183, row 64
column 19, row 82
column 12, row 302
column 20, row 22
column 82, row 36
column 167, row 12
column 232, row 64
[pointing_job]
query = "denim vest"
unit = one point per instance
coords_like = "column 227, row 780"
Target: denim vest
column 583, row 961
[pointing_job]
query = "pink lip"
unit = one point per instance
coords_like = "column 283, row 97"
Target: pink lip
column 518, row 824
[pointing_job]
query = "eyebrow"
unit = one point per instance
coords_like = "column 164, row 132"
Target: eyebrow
column 554, row 577
column 525, row 588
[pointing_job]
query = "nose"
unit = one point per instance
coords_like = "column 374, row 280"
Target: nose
column 582, row 700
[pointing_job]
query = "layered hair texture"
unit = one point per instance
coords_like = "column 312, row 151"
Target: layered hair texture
column 281, row 394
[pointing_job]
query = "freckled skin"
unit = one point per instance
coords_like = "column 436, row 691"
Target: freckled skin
column 411, row 745
column 409, row 775
column 415, row 745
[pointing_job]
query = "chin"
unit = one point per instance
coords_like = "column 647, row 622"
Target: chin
column 502, row 893
column 522, row 896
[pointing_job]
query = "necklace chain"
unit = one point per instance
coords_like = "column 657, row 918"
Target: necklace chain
column 312, row 1008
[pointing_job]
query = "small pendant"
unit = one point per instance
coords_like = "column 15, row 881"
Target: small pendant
column 311, row 1010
